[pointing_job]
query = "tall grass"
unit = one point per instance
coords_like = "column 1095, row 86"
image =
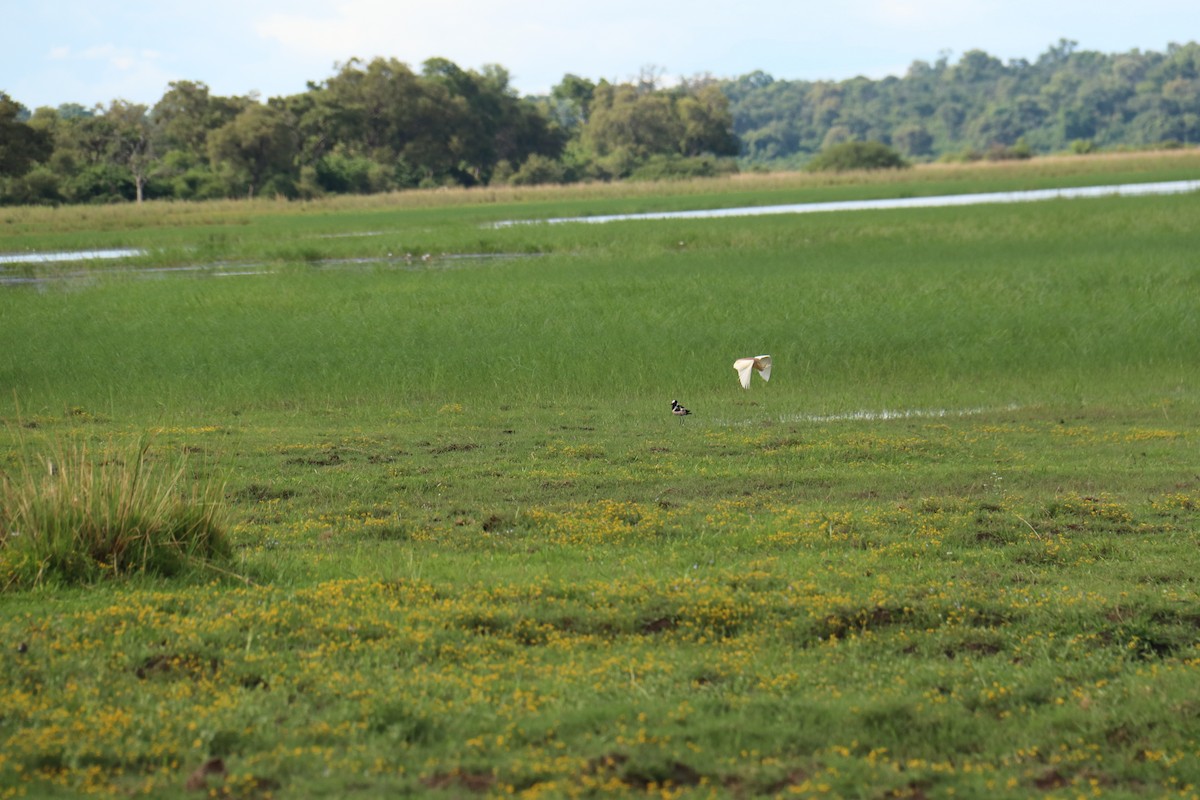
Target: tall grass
column 1055, row 303
column 493, row 563
column 76, row 513
column 21, row 222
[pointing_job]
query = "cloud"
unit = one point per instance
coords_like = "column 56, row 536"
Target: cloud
column 95, row 51
column 328, row 37
column 100, row 73
column 537, row 42
column 124, row 59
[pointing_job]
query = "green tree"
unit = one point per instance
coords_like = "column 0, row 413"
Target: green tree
column 384, row 112
column 21, row 145
column 914, row 139
column 132, row 143
column 857, row 155
column 627, row 125
column 181, row 123
column 977, row 104
column 539, row 169
column 707, row 123
column 572, row 101
column 84, row 158
column 623, row 119
column 186, row 114
column 255, row 149
column 496, row 125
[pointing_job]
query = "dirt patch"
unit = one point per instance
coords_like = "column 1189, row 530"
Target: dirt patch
column 262, row 494
column 1050, row 780
column 330, row 458
column 454, row 447
column 641, row 776
column 187, row 665
column 659, row 625
column 458, row 779
column 494, row 523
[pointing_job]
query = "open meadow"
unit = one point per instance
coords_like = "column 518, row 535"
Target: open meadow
column 460, row 547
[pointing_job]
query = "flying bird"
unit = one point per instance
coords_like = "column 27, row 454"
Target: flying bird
column 759, row 364
column 679, row 410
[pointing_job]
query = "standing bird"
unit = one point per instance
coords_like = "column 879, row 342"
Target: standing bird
column 760, row 364
column 679, row 410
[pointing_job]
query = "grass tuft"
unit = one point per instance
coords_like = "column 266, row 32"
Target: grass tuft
column 82, row 513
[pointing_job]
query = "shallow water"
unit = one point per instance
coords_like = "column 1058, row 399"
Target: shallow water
column 1124, row 190
column 881, row 415
column 70, row 255
column 233, row 270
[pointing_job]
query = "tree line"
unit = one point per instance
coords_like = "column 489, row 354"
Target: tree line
column 381, row 126
column 1065, row 100
column 372, row 127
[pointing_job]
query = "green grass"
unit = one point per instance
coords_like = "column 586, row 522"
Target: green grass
column 427, row 221
column 478, row 556
column 71, row 514
column 975, row 306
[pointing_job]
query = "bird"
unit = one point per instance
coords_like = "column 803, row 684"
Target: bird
column 679, row 410
column 744, row 366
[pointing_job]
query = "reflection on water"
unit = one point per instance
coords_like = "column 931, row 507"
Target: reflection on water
column 428, row 261
column 214, row 270
column 446, row 260
column 882, row 415
column 1126, row 190
column 72, row 255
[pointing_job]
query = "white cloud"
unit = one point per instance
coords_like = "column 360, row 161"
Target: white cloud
column 100, row 73
column 102, row 49
column 310, row 35
column 537, row 42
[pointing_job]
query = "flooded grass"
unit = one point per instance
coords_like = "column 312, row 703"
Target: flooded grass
column 77, row 255
column 949, row 548
column 935, row 201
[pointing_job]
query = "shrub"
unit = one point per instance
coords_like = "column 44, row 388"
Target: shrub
column 100, row 183
column 968, row 155
column 1017, row 151
column 38, row 187
column 856, row 155
column 537, row 170
column 76, row 516
column 669, row 167
column 344, row 174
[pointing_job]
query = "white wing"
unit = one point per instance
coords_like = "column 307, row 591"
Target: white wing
column 744, row 366
column 763, row 365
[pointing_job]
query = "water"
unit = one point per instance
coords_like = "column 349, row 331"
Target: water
column 226, row 269
column 70, row 255
column 883, row 415
column 1126, row 190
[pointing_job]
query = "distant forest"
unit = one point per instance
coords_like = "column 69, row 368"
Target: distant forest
column 1065, row 100
column 381, row 126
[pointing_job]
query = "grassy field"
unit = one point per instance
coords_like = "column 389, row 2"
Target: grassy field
column 950, row 549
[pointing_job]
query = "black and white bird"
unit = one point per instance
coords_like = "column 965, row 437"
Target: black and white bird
column 759, row 364
column 679, row 410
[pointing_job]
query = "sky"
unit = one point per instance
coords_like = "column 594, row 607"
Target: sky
column 92, row 52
